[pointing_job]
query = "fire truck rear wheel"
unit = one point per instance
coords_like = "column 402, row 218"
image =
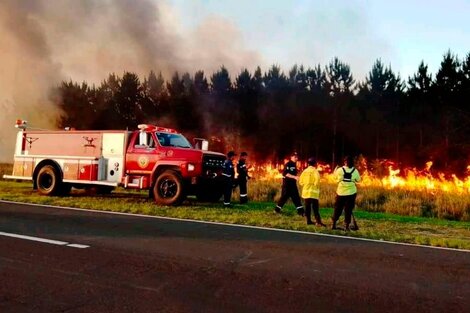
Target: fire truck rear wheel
column 168, row 188
column 48, row 181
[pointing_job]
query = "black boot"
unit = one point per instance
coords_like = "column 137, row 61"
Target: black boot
column 334, row 227
column 318, row 221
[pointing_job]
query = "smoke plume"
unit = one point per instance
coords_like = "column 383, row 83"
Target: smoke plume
column 45, row 42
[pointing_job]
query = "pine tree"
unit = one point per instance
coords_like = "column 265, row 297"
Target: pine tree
column 128, row 100
column 339, row 85
column 419, row 99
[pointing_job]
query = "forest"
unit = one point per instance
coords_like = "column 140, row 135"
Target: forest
column 323, row 111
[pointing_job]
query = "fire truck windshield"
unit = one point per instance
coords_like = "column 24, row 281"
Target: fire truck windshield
column 172, row 140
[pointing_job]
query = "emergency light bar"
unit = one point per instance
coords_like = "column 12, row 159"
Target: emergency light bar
column 21, row 124
column 148, row 127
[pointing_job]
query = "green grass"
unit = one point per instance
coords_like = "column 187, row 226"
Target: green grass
column 374, row 225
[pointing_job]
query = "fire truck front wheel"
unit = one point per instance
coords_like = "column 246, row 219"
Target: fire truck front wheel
column 168, row 188
column 48, row 181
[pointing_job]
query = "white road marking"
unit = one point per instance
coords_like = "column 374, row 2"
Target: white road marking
column 257, row 262
column 44, row 240
column 79, row 246
column 50, row 241
column 239, row 226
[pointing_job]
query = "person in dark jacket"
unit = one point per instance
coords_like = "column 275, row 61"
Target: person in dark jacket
column 228, row 174
column 289, row 186
column 243, row 177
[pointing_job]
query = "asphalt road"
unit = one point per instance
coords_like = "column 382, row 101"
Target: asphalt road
column 141, row 264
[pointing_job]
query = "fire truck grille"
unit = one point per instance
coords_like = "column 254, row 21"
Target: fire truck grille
column 213, row 162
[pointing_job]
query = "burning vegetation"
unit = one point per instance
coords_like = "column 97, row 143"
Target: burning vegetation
column 385, row 174
column 384, row 187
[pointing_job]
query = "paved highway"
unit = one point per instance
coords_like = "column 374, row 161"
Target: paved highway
column 59, row 260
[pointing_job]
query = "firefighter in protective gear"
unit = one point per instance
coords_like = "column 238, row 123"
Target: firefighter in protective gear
column 347, row 176
column 243, row 177
column 228, row 174
column 310, row 182
column 289, row 186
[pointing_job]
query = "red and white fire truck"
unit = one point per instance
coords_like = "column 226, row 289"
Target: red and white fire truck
column 156, row 158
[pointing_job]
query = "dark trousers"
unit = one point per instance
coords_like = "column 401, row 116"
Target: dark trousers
column 243, row 190
column 289, row 190
column 312, row 204
column 347, row 203
column 228, row 185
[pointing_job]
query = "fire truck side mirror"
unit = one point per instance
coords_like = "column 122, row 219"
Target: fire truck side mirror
column 143, row 139
column 201, row 144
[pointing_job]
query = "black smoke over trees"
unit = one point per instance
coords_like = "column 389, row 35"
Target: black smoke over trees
column 324, row 112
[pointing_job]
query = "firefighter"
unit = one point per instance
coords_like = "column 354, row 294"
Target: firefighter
column 289, row 186
column 310, row 182
column 243, row 177
column 228, row 175
column 347, row 176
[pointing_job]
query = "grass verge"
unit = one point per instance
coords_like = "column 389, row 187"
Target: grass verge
column 373, row 225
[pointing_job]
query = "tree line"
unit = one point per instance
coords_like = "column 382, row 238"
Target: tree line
column 321, row 111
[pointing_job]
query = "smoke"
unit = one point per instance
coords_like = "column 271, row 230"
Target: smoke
column 45, row 42
column 27, row 72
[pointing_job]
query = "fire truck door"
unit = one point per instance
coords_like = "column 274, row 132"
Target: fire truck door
column 111, row 164
column 142, row 154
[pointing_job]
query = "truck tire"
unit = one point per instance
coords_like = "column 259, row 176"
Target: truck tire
column 48, row 181
column 168, row 188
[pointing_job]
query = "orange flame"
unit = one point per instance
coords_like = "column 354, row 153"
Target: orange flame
column 395, row 177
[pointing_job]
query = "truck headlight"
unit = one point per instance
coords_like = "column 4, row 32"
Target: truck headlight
column 191, row 167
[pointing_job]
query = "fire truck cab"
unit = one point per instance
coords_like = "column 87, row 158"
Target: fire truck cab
column 156, row 158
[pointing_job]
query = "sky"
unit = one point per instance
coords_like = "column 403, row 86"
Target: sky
column 400, row 33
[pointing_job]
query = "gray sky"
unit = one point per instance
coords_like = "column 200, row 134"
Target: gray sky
column 401, row 33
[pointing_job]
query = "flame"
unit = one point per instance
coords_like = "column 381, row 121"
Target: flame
column 266, row 171
column 394, row 177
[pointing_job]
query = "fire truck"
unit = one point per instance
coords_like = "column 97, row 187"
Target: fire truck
column 153, row 158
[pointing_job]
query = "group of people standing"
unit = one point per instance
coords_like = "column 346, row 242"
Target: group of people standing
column 309, row 180
column 230, row 182
column 346, row 176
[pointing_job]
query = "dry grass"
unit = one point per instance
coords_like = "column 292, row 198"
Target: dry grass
column 5, row 169
column 451, row 206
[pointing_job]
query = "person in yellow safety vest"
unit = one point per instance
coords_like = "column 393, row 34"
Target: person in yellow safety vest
column 310, row 182
column 346, row 176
